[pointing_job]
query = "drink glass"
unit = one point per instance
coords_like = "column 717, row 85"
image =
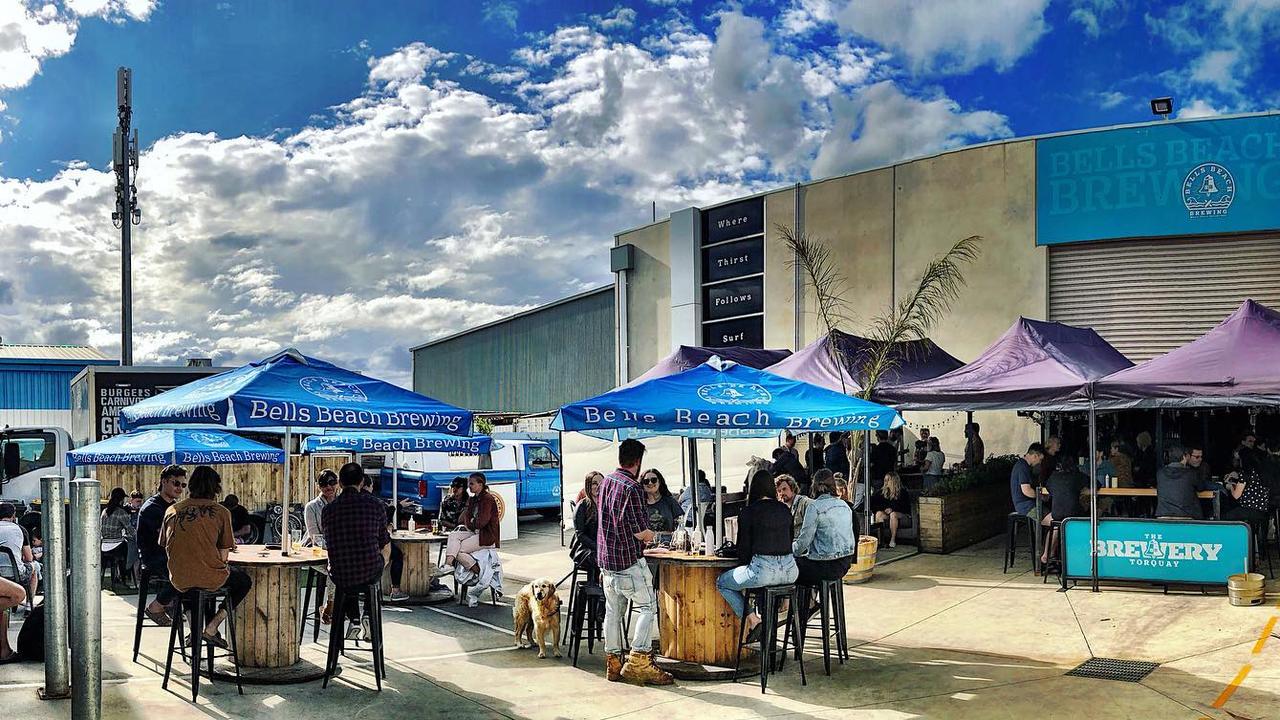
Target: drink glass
column 296, row 537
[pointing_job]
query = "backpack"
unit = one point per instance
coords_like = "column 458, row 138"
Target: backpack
column 30, row 645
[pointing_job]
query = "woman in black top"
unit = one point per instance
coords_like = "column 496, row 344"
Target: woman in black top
column 891, row 503
column 582, row 549
column 1248, row 488
column 1064, row 484
column 663, row 509
column 764, row 549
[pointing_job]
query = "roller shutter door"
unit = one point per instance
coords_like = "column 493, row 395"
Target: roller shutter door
column 1147, row 297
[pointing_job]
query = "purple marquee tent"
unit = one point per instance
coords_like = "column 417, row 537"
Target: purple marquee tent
column 687, row 356
column 1234, row 364
column 1035, row 365
column 918, row 360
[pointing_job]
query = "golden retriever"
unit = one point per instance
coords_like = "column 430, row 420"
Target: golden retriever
column 537, row 613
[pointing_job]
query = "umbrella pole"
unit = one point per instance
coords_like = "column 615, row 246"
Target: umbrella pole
column 286, row 541
column 719, row 499
column 1093, row 495
column 395, row 489
column 866, row 480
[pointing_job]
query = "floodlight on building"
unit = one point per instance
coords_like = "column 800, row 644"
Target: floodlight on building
column 1162, row 107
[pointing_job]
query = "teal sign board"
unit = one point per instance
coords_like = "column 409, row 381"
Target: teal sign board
column 1178, row 178
column 1158, row 551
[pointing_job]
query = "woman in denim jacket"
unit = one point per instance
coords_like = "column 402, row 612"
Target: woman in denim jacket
column 825, row 546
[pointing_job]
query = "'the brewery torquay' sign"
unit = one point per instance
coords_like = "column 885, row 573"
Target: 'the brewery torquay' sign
column 1175, row 551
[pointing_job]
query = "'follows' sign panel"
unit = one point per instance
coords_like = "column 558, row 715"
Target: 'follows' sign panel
column 1207, row 177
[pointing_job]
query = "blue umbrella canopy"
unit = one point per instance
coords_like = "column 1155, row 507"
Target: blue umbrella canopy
column 175, row 446
column 290, row 389
column 724, row 398
column 362, row 442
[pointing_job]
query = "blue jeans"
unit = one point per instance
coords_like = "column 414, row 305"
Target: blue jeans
column 634, row 585
column 764, row 570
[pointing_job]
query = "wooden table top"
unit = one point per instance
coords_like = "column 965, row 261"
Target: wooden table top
column 252, row 556
column 679, row 557
column 1133, row 492
column 406, row 536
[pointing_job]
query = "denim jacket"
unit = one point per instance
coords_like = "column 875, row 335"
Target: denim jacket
column 827, row 532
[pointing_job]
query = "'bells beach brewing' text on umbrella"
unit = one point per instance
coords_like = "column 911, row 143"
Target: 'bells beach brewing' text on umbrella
column 290, row 390
column 721, row 399
column 175, row 446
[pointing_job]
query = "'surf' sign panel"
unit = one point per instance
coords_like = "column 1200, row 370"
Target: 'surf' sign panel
column 733, row 260
column 742, row 332
column 733, row 298
column 729, row 222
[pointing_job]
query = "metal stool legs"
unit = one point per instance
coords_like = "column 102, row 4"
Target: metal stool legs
column 768, row 602
column 198, row 600
column 372, row 596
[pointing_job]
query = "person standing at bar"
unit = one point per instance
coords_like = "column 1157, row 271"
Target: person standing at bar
column 836, row 458
column 814, row 457
column 620, row 539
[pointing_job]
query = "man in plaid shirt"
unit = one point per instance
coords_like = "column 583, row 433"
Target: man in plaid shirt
column 620, row 540
column 356, row 537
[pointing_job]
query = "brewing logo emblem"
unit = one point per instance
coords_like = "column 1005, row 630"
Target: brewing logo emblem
column 735, row 394
column 1208, row 190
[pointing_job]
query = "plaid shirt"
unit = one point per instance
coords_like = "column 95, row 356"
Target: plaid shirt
column 355, row 529
column 622, row 514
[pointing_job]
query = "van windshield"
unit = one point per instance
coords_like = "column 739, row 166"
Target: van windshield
column 25, row 452
column 541, row 456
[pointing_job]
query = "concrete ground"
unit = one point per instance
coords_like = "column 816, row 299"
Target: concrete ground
column 931, row 636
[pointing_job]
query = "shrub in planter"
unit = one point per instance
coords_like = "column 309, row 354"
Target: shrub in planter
column 966, row 507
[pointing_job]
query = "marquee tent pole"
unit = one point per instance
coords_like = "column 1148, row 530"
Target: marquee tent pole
column 395, row 489
column 866, row 479
column 1093, row 495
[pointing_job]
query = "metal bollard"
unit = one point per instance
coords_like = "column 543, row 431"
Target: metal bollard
column 86, row 601
column 53, row 524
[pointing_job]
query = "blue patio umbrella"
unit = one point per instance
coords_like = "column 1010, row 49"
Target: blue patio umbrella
column 721, row 399
column 175, row 446
column 396, row 443
column 291, row 390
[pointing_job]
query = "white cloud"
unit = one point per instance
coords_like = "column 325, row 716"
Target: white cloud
column 620, row 18
column 422, row 207
column 31, row 33
column 949, row 36
column 1228, row 55
column 802, row 17
column 1097, row 16
column 1111, row 98
column 1219, row 68
column 881, row 124
column 1198, row 108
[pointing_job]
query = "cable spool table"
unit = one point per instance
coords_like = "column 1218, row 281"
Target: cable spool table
column 698, row 631
column 418, row 566
column 267, row 621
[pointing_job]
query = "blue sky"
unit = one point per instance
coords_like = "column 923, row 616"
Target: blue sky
column 361, row 177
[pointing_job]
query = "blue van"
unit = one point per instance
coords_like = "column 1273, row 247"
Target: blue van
column 531, row 464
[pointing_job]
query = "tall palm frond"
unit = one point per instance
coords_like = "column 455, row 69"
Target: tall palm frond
column 912, row 317
column 824, row 278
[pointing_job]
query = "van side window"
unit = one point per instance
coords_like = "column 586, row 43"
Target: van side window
column 540, row 456
column 35, row 450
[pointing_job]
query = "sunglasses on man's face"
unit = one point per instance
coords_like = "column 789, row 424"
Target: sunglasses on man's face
column 178, row 483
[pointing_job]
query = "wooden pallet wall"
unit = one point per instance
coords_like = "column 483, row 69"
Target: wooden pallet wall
column 255, row 484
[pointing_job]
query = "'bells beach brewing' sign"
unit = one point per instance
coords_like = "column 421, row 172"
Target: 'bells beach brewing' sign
column 733, row 275
column 1186, row 178
column 1174, row 551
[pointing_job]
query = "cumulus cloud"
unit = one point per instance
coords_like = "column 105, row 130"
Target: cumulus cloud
column 1198, row 108
column 1228, row 55
column 1097, row 16
column 949, row 36
column 31, row 33
column 421, row 206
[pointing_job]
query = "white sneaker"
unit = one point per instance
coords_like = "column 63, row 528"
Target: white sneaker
column 353, row 632
column 893, row 544
column 365, row 635
column 398, row 596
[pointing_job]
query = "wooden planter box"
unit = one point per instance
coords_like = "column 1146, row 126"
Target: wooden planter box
column 956, row 521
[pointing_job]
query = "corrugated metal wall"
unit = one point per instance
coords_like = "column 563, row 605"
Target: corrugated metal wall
column 532, row 363
column 35, row 387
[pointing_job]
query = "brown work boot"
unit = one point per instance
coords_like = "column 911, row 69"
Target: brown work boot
column 640, row 670
column 612, row 667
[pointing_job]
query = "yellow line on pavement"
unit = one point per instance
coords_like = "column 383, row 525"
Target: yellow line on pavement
column 1231, row 689
column 1266, row 633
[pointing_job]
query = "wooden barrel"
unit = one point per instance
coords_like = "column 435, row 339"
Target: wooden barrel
column 1245, row 589
column 860, row 571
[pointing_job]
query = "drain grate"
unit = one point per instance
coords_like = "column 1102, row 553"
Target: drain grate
column 1110, row 669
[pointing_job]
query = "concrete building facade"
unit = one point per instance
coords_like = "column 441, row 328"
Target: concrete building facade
column 1150, row 233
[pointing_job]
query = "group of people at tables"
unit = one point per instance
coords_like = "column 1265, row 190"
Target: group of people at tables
column 187, row 542
column 1246, row 490
column 787, row 533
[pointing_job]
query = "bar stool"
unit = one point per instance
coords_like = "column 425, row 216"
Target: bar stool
column 198, row 601
column 371, row 595
column 588, row 607
column 1054, row 527
column 831, row 622
column 145, row 582
column 1015, row 522
column 318, row 580
column 769, row 601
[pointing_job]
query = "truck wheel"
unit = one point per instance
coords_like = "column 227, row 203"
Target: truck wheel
column 549, row 513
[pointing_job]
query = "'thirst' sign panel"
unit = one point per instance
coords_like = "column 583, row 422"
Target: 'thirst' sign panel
column 1158, row 551
column 733, row 221
column 733, row 260
column 1189, row 178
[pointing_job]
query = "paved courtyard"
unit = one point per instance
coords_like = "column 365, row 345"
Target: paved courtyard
column 931, row 636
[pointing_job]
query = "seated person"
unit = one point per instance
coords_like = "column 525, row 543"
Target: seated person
column 478, row 528
column 825, row 546
column 241, row 526
column 358, row 543
column 1064, row 484
column 891, row 503
column 1024, row 481
column 396, row 557
column 11, row 596
column 173, row 478
column 1178, row 482
column 196, row 536
column 1248, row 488
column 764, row 550
column 582, row 549
column 117, row 530
column 661, row 507
column 706, row 494
column 12, row 536
column 452, row 505
column 788, row 492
